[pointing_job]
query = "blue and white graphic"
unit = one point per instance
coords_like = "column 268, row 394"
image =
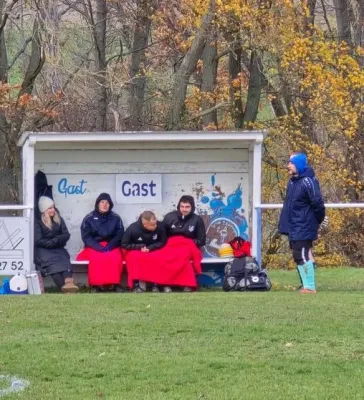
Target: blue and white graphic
column 223, row 215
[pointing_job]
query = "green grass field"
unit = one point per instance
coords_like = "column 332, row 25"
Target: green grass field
column 206, row 345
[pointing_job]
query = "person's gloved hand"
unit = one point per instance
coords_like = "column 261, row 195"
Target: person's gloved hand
column 52, row 243
column 324, row 227
column 106, row 249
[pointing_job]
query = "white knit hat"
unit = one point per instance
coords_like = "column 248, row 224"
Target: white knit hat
column 44, row 203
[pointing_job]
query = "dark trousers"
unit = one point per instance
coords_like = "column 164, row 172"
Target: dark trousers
column 60, row 277
column 301, row 250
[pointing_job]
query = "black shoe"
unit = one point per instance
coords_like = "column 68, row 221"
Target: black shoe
column 96, row 289
column 138, row 290
column 119, row 289
column 155, row 289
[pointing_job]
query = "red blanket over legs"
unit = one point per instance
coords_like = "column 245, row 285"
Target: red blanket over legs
column 104, row 268
column 177, row 264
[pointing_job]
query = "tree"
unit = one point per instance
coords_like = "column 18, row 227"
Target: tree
column 16, row 100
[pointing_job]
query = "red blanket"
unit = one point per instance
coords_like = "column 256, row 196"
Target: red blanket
column 176, row 264
column 104, row 268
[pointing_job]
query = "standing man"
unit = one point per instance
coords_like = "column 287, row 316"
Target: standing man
column 184, row 222
column 303, row 212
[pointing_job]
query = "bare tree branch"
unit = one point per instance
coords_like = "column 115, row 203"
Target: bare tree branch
column 132, row 51
column 325, row 16
column 7, row 10
column 20, row 52
column 210, row 110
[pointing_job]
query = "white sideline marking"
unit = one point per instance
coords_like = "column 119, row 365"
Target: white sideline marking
column 16, row 385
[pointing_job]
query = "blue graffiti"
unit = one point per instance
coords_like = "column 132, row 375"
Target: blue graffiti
column 213, row 180
column 229, row 209
column 66, row 189
column 235, row 199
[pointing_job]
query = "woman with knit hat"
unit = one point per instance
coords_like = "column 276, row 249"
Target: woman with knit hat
column 50, row 238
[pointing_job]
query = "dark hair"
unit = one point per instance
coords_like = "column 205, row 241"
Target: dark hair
column 187, row 199
column 148, row 215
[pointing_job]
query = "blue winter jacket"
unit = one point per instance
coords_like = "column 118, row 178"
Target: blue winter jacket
column 97, row 227
column 303, row 208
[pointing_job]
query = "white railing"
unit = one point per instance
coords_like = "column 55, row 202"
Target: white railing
column 261, row 207
column 15, row 207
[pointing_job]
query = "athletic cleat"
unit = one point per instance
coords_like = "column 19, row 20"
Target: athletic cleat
column 303, row 291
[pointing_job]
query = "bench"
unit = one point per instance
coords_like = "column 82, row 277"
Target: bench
column 212, row 276
column 204, row 261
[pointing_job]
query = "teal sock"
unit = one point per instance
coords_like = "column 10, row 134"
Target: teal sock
column 307, row 272
column 303, row 276
column 311, row 283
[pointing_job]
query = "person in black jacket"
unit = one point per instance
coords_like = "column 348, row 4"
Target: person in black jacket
column 50, row 238
column 101, row 232
column 146, row 234
column 303, row 212
column 184, row 222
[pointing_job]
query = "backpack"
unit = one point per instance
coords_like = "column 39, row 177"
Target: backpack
column 244, row 274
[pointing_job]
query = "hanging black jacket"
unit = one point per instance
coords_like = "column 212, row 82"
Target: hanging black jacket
column 49, row 252
column 190, row 226
column 97, row 227
column 41, row 188
column 136, row 237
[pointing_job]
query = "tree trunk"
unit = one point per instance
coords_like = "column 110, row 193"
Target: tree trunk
column 186, row 68
column 276, row 99
column 35, row 65
column 138, row 64
column 51, row 21
column 254, row 89
column 100, row 64
column 3, row 49
column 5, row 171
column 209, row 76
column 359, row 31
column 12, row 130
column 310, row 18
column 235, row 62
column 343, row 20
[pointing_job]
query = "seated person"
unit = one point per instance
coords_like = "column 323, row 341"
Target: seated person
column 184, row 222
column 101, row 232
column 50, row 238
column 147, row 234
